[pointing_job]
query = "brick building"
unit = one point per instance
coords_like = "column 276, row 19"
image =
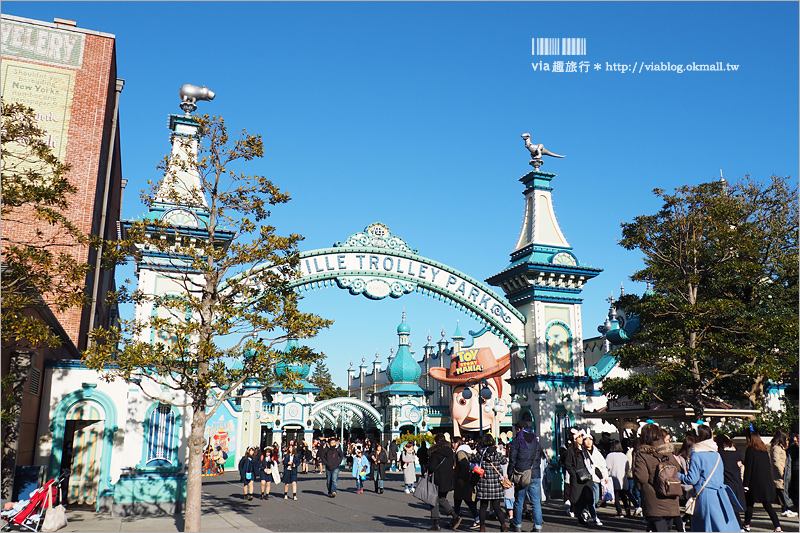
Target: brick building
column 68, row 75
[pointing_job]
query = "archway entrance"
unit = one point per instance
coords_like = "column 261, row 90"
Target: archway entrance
column 377, row 264
column 343, row 416
column 83, row 434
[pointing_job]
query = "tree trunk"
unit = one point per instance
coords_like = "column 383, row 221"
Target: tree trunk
column 194, row 477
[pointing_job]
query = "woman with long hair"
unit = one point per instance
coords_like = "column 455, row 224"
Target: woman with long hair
column 777, row 452
column 758, row 484
column 442, row 465
column 581, row 492
column 379, row 460
column 291, row 461
column 265, row 472
column 732, row 469
column 660, row 511
column 598, row 469
column 490, row 488
column 714, row 501
column 247, row 471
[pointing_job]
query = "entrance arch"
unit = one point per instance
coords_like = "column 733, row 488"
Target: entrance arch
column 340, row 413
column 378, row 264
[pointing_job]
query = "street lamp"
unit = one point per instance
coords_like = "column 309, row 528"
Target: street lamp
column 483, row 396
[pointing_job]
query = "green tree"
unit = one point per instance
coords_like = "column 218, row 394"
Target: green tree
column 234, row 300
column 721, row 321
column 321, row 377
column 40, row 268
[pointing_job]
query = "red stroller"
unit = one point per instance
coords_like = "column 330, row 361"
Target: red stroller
column 30, row 515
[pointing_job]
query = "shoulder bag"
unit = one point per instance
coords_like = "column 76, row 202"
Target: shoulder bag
column 582, row 474
column 426, row 490
column 521, row 479
column 689, row 507
column 507, row 483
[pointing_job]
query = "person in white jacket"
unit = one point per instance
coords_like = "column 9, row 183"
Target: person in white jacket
column 597, row 468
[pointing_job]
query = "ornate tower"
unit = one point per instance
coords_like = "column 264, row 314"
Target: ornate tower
column 181, row 205
column 404, row 401
column 543, row 281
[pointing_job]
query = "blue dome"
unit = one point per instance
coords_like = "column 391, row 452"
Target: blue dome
column 301, row 369
column 403, row 367
column 403, row 328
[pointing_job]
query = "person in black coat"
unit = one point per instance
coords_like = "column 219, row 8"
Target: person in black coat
column 790, row 473
column 442, row 461
column 248, row 468
column 731, row 461
column 423, row 458
column 758, row 484
column 379, row 461
column 581, row 495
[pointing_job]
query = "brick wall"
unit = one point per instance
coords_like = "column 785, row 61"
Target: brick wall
column 87, row 143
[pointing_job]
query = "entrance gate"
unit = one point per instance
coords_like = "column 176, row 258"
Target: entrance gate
column 377, row 264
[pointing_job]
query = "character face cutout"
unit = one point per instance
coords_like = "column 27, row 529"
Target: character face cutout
column 466, row 411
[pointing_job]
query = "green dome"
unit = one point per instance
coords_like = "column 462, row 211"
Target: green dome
column 403, row 367
column 301, row 369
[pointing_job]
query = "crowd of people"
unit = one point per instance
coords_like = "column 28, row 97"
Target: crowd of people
column 701, row 483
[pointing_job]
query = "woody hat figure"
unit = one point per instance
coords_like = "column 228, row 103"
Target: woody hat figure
column 474, row 363
column 470, row 364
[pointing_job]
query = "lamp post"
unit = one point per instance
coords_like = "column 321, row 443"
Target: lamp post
column 484, row 394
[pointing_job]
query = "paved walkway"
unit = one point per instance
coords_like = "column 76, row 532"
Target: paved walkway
column 217, row 517
column 225, row 511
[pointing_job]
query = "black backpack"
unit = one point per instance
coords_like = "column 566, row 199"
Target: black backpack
column 666, row 480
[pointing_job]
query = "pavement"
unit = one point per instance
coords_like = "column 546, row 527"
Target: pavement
column 224, row 510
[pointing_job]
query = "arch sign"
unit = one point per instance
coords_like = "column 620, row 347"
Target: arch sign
column 377, row 264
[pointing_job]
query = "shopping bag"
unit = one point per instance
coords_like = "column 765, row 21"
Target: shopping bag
column 607, row 490
column 427, row 491
column 276, row 477
column 55, row 518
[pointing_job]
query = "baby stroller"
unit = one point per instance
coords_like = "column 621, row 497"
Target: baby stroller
column 29, row 514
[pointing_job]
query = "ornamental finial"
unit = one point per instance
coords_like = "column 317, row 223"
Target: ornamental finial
column 192, row 93
column 537, row 151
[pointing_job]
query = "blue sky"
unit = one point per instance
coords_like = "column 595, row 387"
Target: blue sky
column 411, row 113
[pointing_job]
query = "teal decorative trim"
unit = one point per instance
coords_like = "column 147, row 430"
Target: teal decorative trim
column 148, row 436
column 376, row 235
column 375, row 288
column 601, row 369
column 58, row 426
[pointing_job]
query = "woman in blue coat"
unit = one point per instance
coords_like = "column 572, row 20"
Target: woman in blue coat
column 714, row 500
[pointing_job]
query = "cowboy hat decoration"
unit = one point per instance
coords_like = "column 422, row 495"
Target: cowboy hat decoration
column 474, row 363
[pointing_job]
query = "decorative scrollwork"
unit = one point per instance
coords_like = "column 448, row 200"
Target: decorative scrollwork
column 376, row 235
column 498, row 310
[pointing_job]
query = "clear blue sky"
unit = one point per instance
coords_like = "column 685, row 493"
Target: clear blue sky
column 411, row 113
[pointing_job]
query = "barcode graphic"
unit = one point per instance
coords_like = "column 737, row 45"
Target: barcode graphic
column 545, row 47
column 572, row 46
column 568, row 46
